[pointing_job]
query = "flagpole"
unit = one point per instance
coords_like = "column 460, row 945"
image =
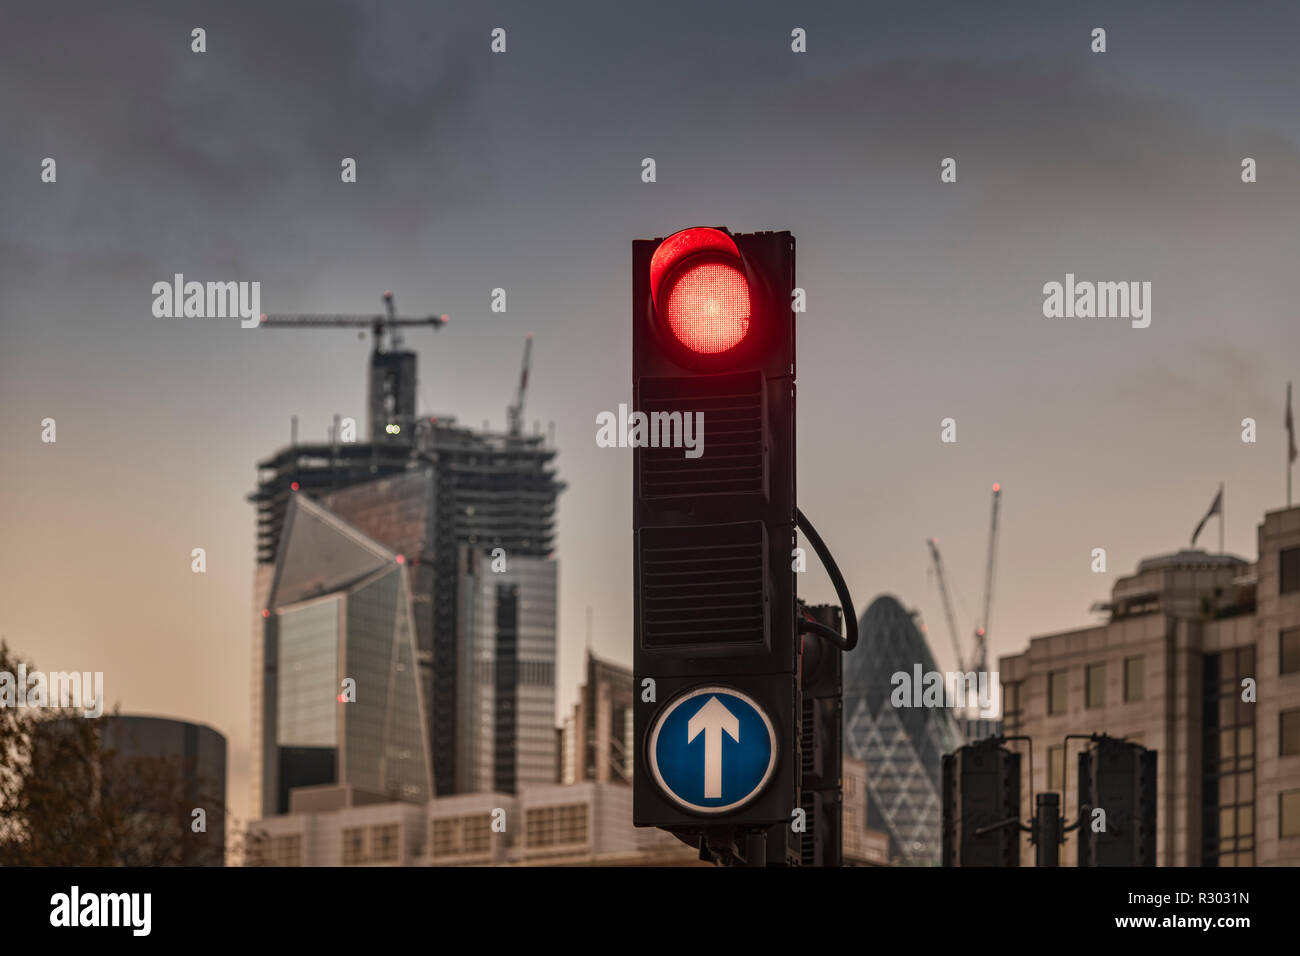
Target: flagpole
column 1221, row 507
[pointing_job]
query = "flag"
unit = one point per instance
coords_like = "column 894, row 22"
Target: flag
column 1215, row 509
column 1290, row 427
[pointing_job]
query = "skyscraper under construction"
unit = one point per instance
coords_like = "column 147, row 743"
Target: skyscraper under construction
column 470, row 514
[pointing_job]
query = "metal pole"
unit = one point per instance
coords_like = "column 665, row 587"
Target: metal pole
column 1047, row 830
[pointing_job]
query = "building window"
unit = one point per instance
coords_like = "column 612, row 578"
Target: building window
column 1134, row 679
column 1288, row 812
column 1095, row 685
column 354, row 846
column 1289, row 570
column 444, row 837
column 287, row 850
column 555, row 826
column 1055, row 768
column 1290, row 647
column 1228, row 781
column 266, row 850
column 1011, row 707
column 1289, row 733
column 383, row 843
column 1056, row 692
column 478, row 833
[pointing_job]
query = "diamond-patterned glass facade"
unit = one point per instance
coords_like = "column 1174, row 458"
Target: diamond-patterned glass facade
column 903, row 747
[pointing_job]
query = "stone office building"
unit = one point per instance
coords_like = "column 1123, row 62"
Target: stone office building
column 1191, row 637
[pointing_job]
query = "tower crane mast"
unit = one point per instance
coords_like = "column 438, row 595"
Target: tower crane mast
column 392, row 374
column 515, row 412
column 982, row 632
column 947, row 601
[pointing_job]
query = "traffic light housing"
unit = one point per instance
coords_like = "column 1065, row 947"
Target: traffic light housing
column 981, row 805
column 1119, row 777
column 714, row 527
column 821, row 682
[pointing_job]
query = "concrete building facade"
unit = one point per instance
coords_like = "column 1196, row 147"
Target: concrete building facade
column 596, row 742
column 1200, row 661
column 585, row 824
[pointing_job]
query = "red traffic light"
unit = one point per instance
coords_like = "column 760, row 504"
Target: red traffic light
column 699, row 289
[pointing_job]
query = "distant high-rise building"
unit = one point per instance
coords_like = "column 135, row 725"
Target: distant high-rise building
column 596, row 739
column 861, row 846
column 158, row 771
column 1200, row 662
column 506, row 692
column 339, row 688
column 902, row 747
column 425, row 492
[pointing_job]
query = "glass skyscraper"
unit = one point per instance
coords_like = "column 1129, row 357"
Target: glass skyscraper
column 903, row 747
column 506, row 725
column 340, row 700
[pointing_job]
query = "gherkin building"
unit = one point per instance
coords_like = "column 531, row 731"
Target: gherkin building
column 903, row 747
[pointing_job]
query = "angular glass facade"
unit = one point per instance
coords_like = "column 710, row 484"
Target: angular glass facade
column 903, row 747
column 339, row 609
column 308, row 674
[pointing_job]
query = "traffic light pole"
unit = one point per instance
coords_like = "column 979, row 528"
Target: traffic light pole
column 1047, row 829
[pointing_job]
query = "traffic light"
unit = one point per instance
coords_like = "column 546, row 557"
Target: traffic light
column 1118, row 777
column 712, row 428
column 981, row 805
column 821, row 683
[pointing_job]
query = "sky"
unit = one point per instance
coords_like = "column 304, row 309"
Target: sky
column 522, row 171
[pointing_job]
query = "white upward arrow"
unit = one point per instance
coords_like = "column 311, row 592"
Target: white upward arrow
column 713, row 718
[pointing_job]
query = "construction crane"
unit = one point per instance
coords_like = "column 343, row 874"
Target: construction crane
column 982, row 632
column 947, row 602
column 384, row 328
column 977, row 661
column 392, row 379
column 515, row 411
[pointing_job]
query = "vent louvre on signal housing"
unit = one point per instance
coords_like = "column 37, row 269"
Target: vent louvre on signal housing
column 732, row 463
column 704, row 585
column 808, row 738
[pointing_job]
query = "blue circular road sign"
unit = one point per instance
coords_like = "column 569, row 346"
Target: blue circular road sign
column 713, row 749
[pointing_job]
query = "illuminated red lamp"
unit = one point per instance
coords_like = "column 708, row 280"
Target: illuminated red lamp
column 996, row 486
column 401, row 559
column 266, row 612
column 699, row 288
column 294, row 486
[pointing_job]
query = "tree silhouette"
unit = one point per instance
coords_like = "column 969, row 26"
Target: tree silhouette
column 67, row 800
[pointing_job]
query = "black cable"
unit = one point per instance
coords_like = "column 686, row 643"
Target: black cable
column 850, row 641
column 816, row 627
